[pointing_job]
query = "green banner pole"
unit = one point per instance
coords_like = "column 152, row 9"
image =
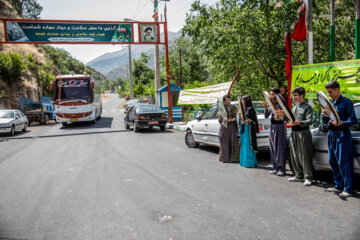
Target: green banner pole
column 357, row 30
column 357, row 39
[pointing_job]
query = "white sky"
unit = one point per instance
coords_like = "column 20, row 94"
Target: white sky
column 112, row 10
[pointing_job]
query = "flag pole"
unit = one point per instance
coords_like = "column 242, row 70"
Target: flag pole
column 357, row 30
column 332, row 31
column 310, row 35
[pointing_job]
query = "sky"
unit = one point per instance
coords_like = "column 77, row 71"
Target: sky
column 112, row 10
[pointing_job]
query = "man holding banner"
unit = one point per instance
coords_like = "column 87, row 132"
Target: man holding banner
column 340, row 141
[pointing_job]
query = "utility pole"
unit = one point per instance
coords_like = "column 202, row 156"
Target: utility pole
column 332, row 31
column 181, row 80
column 157, row 65
column 357, row 30
column 310, row 35
column 130, row 73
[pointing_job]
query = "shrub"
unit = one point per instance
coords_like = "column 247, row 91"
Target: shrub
column 12, row 67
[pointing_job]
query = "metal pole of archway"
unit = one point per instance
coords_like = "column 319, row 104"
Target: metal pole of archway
column 170, row 113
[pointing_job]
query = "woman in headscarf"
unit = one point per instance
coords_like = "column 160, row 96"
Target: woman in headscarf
column 228, row 132
column 248, row 130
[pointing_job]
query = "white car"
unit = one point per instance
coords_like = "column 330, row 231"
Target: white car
column 12, row 121
column 206, row 127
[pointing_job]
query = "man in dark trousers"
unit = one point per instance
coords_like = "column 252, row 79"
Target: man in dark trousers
column 300, row 139
column 340, row 141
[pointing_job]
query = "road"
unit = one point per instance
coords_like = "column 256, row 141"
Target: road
column 105, row 182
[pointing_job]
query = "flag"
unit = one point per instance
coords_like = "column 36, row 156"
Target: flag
column 299, row 33
column 156, row 12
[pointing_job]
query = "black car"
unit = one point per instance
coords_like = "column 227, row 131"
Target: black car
column 145, row 115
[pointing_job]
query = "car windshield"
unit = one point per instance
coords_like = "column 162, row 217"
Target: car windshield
column 259, row 108
column 6, row 114
column 148, row 108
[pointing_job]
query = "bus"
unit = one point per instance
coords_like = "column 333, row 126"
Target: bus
column 75, row 99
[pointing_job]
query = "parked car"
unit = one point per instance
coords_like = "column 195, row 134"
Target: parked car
column 204, row 129
column 145, row 115
column 132, row 103
column 12, row 121
column 321, row 157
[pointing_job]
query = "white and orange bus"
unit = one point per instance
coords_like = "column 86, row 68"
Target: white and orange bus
column 75, row 99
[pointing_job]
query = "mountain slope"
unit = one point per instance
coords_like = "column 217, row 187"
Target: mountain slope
column 115, row 64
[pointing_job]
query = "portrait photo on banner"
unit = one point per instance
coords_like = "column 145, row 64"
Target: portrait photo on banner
column 148, row 33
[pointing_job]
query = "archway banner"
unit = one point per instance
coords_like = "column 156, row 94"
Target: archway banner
column 50, row 32
column 39, row 31
column 313, row 78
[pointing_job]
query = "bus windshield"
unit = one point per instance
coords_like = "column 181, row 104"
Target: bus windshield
column 73, row 89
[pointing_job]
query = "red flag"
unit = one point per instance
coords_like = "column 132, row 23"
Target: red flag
column 300, row 25
column 156, row 12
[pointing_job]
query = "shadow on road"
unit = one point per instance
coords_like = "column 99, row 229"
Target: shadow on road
column 104, row 122
column 154, row 130
column 65, row 135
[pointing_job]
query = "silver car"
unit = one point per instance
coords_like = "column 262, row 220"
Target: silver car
column 321, row 157
column 206, row 127
column 12, row 121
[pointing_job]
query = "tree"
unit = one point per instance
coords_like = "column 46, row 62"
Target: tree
column 27, row 8
column 142, row 74
column 12, row 67
column 249, row 35
column 194, row 65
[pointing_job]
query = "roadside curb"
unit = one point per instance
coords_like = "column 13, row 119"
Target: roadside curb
column 176, row 127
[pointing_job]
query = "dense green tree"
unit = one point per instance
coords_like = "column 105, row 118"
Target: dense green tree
column 12, row 67
column 27, row 8
column 142, row 74
column 248, row 35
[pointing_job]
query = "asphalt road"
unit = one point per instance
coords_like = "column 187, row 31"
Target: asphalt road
column 105, row 182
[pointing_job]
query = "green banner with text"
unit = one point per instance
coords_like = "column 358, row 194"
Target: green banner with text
column 26, row 31
column 313, row 78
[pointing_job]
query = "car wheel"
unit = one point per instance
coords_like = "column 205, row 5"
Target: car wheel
column 126, row 125
column 25, row 127
column 189, row 140
column 64, row 124
column 46, row 119
column 136, row 128
column 162, row 128
column 94, row 121
column 12, row 131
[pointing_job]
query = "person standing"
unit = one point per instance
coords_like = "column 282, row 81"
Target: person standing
column 227, row 135
column 284, row 93
column 248, row 129
column 277, row 137
column 301, row 147
column 340, row 141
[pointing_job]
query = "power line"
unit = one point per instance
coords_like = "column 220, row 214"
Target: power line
column 137, row 9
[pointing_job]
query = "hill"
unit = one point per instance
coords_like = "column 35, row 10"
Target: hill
column 116, row 64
